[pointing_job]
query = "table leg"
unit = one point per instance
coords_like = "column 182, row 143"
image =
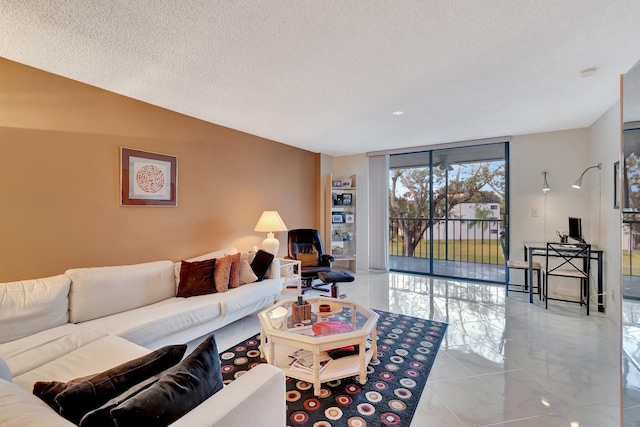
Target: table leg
column 600, row 287
column 529, row 254
column 261, row 346
column 363, row 362
column 374, row 344
column 316, row 371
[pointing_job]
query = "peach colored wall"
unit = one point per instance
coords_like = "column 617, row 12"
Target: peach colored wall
column 59, row 180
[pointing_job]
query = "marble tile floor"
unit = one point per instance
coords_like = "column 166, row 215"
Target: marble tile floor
column 503, row 361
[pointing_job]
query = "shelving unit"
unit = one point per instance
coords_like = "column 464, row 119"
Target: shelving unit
column 341, row 219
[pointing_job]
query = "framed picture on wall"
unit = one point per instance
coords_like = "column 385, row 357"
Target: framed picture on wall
column 148, row 179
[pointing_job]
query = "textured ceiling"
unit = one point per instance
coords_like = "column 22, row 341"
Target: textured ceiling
column 325, row 75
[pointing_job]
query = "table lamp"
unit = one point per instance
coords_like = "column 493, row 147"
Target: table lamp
column 269, row 222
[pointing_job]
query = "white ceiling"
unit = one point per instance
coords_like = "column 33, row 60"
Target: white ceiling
column 325, row 75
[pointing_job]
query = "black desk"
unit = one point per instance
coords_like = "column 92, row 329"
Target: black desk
column 532, row 249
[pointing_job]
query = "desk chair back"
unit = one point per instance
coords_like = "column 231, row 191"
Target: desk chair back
column 569, row 261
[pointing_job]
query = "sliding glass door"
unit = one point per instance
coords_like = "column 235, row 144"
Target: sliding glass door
column 446, row 210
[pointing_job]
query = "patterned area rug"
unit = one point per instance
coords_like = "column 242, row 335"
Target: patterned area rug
column 407, row 348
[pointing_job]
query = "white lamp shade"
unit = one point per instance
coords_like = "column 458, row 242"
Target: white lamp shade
column 269, row 222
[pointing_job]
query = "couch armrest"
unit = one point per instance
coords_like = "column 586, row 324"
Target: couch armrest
column 256, row 398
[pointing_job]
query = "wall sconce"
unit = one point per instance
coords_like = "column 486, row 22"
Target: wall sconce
column 545, row 186
column 578, row 183
column 269, row 222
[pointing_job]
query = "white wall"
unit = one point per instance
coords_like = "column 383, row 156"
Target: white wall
column 564, row 155
column 605, row 148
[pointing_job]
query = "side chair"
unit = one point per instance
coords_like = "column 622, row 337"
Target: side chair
column 519, row 265
column 568, row 261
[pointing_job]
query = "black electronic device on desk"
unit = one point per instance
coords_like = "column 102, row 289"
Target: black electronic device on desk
column 575, row 229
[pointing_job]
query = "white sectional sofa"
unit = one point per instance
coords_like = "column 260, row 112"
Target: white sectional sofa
column 88, row 320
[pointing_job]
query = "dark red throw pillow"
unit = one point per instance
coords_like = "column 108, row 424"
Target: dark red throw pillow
column 196, row 278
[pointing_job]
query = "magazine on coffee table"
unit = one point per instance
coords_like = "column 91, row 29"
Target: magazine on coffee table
column 303, row 359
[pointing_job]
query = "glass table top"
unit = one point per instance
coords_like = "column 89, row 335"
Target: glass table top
column 322, row 316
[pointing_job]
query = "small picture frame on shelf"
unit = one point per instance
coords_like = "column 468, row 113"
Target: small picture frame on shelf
column 336, row 218
column 349, row 218
column 346, row 199
column 346, row 182
column 336, row 183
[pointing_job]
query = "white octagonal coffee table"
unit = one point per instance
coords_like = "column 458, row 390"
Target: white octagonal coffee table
column 345, row 324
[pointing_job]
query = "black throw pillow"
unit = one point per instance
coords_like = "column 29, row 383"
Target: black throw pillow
column 101, row 417
column 178, row 390
column 261, row 262
column 89, row 393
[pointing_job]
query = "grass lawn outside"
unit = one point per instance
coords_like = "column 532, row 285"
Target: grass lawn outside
column 631, row 264
column 480, row 251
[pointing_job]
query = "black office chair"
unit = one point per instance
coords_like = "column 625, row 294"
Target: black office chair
column 568, row 261
column 305, row 245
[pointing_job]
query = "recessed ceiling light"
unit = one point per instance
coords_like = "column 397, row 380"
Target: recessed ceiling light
column 398, row 113
column 588, row 72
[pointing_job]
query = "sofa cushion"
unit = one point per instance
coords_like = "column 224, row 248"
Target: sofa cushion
column 96, row 356
column 28, row 353
column 234, row 275
column 246, row 272
column 196, row 278
column 102, row 291
column 211, row 255
column 177, row 391
column 261, row 262
column 19, row 408
column 247, row 295
column 147, row 324
column 31, row 306
column 75, row 398
column 222, row 273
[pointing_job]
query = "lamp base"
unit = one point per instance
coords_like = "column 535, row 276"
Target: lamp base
column 271, row 244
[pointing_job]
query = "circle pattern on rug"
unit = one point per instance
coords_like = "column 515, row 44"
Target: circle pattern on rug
column 407, row 347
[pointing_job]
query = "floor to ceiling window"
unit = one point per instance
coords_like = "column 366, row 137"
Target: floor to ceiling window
column 446, row 210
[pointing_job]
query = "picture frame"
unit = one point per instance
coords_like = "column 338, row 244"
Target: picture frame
column 616, row 185
column 337, row 218
column 346, row 182
column 148, row 178
column 336, row 183
column 347, row 199
column 349, row 218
